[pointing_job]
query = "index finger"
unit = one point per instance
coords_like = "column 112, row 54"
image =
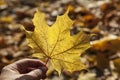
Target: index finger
column 26, row 65
column 30, row 62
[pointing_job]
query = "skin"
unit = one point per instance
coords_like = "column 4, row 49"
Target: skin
column 25, row 69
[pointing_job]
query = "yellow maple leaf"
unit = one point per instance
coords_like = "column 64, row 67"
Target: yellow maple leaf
column 56, row 45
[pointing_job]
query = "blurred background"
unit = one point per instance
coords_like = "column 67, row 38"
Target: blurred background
column 100, row 17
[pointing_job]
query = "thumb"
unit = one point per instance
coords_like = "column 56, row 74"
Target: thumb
column 38, row 73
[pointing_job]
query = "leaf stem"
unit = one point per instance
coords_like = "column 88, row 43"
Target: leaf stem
column 47, row 61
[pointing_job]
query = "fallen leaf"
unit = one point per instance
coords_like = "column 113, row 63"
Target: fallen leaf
column 102, row 61
column 54, row 44
column 88, row 17
column 90, row 20
column 117, row 64
column 110, row 42
column 2, row 2
column 6, row 19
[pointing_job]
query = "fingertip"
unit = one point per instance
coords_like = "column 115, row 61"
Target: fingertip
column 43, row 69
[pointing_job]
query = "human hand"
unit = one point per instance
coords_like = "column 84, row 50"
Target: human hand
column 25, row 69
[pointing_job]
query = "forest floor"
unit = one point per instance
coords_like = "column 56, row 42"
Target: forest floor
column 101, row 17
